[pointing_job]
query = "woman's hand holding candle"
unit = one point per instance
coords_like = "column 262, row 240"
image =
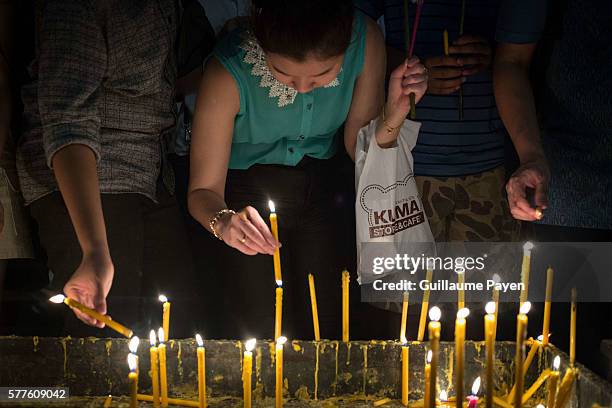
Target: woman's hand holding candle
column 246, row 231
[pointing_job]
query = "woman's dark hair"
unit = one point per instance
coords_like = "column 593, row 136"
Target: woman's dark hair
column 298, row 28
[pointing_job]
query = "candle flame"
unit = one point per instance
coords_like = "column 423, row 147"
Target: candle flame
column 435, row 314
column 162, row 298
column 556, row 363
column 199, row 340
column 272, row 206
column 476, row 386
column 281, row 340
column 57, row 298
column 463, row 313
column 540, row 406
column 133, row 344
column 490, row 307
column 152, row 338
column 161, row 336
column 525, row 308
column 528, row 246
column 279, row 283
column 132, row 362
column 541, row 337
column 249, row 345
column 429, row 356
column 496, row 278
column 443, row 396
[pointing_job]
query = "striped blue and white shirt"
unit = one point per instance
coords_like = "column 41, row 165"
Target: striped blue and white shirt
column 448, row 146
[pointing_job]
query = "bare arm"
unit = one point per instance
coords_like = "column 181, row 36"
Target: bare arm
column 516, row 106
column 368, row 96
column 213, row 126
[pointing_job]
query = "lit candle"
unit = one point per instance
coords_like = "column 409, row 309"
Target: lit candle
column 426, row 396
column 572, row 345
column 279, row 370
column 346, row 278
column 404, row 318
column 547, row 306
column 247, row 371
column 274, row 227
column 163, row 375
column 133, row 346
column 133, row 380
column 154, row 368
column 107, row 320
column 497, row 279
column 405, row 371
column 313, row 304
column 521, row 332
column 424, row 307
column 525, row 268
column 434, row 343
column 443, row 399
column 565, row 388
column 278, row 318
column 460, row 353
column 553, row 381
column 473, row 399
column 108, row 401
column 166, row 315
column 461, row 292
column 489, row 327
column 445, row 41
column 201, row 353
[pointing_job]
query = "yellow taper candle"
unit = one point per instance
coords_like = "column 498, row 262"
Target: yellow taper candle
column 525, row 268
column 536, row 385
column 278, row 316
column 313, row 304
column 247, row 371
column 460, row 354
column 346, row 278
column 405, row 371
column 427, row 376
column 278, row 276
column 565, row 389
column 424, row 307
column 495, row 297
column 201, row 354
column 553, row 381
column 154, row 352
column 434, row 344
column 489, row 328
column 533, row 350
column 572, row 345
column 521, row 332
column 165, row 315
column 133, row 380
column 163, row 375
column 461, row 291
column 279, row 371
column 107, row 320
column 404, row 318
column 547, row 306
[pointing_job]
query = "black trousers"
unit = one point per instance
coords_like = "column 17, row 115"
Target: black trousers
column 151, row 255
column 309, row 208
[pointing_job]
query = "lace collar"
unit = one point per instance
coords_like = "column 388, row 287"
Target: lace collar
column 255, row 56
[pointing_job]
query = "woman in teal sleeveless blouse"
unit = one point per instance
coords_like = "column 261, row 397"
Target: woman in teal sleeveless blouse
column 269, row 115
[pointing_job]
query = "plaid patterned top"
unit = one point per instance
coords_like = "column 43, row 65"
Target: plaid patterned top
column 103, row 77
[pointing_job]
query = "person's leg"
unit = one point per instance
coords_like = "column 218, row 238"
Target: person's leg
column 124, row 232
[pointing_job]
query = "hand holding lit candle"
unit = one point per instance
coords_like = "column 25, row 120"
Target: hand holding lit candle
column 460, row 353
column 107, row 320
column 165, row 315
column 247, row 371
column 279, row 370
column 434, row 343
column 201, row 371
column 154, row 368
column 133, row 380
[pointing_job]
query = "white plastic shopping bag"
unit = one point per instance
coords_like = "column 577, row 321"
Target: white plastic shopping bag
column 388, row 206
